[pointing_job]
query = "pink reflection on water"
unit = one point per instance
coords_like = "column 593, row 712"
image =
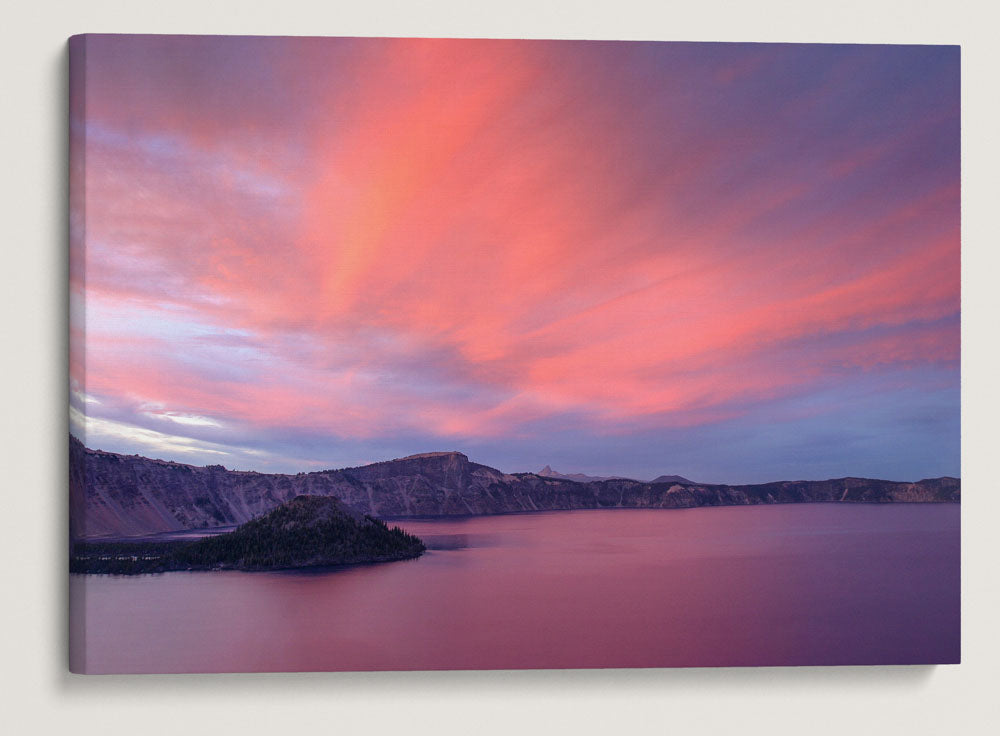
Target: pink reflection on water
column 778, row 585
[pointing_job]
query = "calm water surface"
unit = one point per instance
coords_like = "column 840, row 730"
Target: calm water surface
column 762, row 585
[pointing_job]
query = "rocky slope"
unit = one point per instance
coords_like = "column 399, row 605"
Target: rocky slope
column 308, row 531
column 121, row 495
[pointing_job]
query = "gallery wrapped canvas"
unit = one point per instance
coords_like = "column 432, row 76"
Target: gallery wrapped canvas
column 340, row 305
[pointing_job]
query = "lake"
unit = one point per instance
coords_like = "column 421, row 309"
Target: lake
column 747, row 585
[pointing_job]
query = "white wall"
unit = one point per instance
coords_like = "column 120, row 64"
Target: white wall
column 38, row 695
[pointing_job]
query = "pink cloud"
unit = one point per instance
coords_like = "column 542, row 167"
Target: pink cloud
column 468, row 245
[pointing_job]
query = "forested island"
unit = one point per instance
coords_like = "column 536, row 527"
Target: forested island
column 308, row 531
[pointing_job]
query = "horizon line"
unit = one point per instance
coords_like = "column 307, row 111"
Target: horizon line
column 468, row 458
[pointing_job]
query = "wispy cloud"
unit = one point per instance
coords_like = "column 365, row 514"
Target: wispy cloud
column 467, row 240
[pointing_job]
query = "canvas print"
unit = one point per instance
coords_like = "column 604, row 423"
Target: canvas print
column 417, row 354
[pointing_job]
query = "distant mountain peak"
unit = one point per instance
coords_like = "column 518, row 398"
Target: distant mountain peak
column 548, row 472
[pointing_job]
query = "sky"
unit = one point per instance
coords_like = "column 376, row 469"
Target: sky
column 735, row 262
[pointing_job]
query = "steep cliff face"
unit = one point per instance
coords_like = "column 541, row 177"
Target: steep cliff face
column 121, row 495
